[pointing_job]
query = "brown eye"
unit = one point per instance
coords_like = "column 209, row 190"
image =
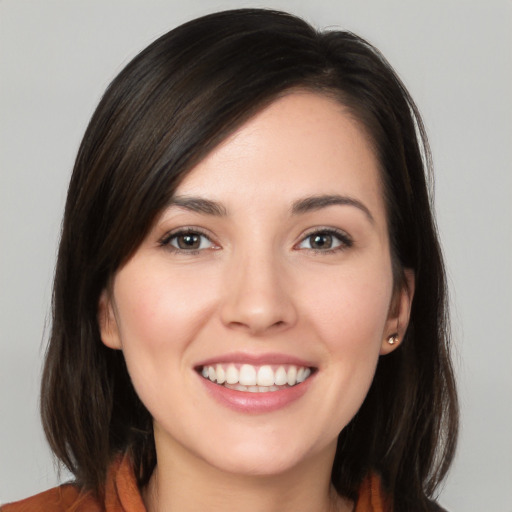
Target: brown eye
column 326, row 241
column 188, row 241
column 321, row 241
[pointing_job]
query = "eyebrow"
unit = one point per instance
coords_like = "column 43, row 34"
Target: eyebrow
column 304, row 205
column 198, row 205
column 313, row 203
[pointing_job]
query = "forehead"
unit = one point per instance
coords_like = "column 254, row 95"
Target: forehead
column 301, row 144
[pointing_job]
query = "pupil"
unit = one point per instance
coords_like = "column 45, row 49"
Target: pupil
column 321, row 241
column 188, row 241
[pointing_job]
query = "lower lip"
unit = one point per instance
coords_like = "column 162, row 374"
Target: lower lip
column 256, row 403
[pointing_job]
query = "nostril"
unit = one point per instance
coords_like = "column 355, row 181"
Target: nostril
column 238, row 324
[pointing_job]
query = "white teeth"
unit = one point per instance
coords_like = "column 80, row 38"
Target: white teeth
column 232, row 374
column 292, row 376
column 221, row 374
column 247, row 375
column 265, row 376
column 281, row 378
column 255, row 379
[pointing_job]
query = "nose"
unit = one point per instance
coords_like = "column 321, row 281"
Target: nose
column 258, row 298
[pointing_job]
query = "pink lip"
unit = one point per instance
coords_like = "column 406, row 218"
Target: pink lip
column 255, row 359
column 256, row 403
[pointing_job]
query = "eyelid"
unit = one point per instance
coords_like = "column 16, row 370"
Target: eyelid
column 165, row 241
column 345, row 239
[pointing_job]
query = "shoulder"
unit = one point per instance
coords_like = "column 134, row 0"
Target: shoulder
column 373, row 498
column 65, row 498
column 121, row 493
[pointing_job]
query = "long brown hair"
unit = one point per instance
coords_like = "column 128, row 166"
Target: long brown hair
column 166, row 110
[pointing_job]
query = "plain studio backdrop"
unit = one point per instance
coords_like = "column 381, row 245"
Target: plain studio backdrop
column 56, row 59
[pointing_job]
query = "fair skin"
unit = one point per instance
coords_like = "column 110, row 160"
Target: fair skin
column 275, row 254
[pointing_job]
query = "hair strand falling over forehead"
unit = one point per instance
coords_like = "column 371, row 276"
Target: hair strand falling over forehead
column 170, row 106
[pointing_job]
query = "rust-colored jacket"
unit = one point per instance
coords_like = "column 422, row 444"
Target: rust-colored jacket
column 122, row 495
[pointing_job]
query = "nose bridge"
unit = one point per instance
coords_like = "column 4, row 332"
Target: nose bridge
column 256, row 295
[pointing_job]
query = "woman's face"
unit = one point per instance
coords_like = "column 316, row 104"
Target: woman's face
column 270, row 267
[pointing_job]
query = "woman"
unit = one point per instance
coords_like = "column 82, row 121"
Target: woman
column 249, row 301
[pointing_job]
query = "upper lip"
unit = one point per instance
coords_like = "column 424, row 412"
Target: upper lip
column 256, row 359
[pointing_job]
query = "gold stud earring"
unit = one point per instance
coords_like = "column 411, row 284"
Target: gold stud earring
column 393, row 339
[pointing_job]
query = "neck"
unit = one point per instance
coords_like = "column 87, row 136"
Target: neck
column 182, row 482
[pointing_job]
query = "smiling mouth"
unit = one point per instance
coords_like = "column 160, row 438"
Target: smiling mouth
column 255, row 379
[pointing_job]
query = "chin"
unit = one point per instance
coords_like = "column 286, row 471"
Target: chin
column 262, row 465
column 259, row 458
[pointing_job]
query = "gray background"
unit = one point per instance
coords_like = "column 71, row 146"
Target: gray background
column 57, row 57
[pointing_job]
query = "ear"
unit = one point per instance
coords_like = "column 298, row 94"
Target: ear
column 107, row 322
column 399, row 313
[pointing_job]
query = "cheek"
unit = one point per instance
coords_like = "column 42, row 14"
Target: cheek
column 351, row 311
column 158, row 316
column 349, row 319
column 158, row 311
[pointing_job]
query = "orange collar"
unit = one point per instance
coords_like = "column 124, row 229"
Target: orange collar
column 122, row 495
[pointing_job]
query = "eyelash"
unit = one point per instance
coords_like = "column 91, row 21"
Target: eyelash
column 168, row 238
column 343, row 238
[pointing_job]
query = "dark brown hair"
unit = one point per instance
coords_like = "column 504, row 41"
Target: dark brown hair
column 166, row 110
